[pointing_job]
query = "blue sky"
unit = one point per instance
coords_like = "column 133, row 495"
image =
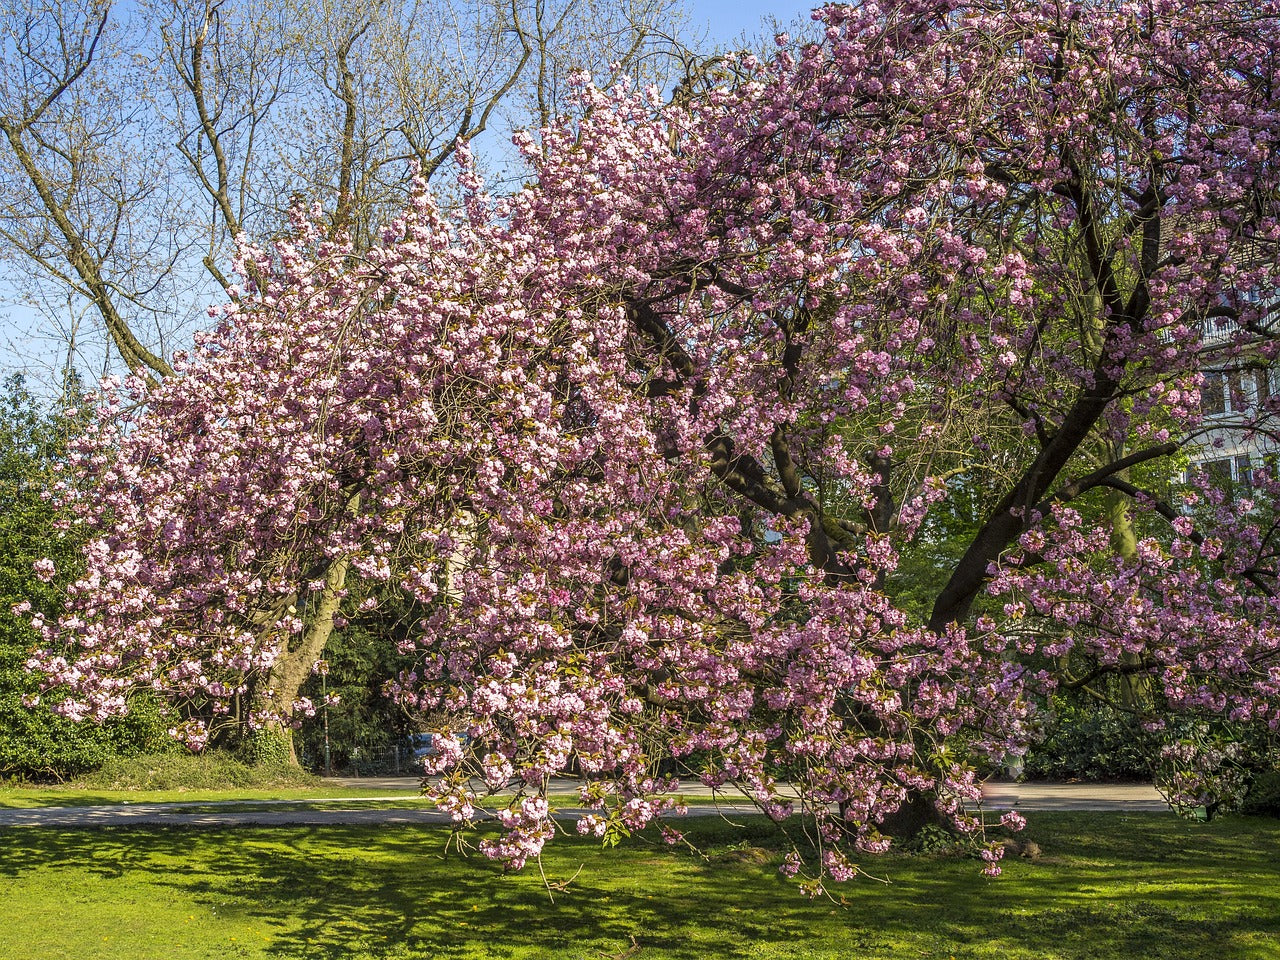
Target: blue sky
column 730, row 19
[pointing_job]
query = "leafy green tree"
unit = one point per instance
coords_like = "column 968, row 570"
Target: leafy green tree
column 35, row 743
column 364, row 721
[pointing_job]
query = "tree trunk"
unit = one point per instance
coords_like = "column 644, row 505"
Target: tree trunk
column 295, row 663
column 1134, row 687
column 916, row 813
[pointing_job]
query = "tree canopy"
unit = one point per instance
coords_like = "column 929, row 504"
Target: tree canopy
column 637, row 447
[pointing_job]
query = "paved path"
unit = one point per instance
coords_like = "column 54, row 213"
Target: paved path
column 156, row 814
column 1073, row 796
column 1022, row 796
column 1000, row 796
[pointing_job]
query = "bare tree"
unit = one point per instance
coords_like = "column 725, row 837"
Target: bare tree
column 82, row 188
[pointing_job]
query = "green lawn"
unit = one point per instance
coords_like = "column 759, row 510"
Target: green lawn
column 1119, row 887
column 24, row 797
column 338, row 801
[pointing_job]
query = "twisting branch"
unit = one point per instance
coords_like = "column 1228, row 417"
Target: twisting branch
column 1080, row 485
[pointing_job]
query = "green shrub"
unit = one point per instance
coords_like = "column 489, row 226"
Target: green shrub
column 933, row 839
column 1091, row 742
column 365, row 725
column 1263, row 796
column 265, row 749
column 35, row 743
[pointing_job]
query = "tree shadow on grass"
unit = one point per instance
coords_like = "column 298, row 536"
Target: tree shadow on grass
column 1129, row 887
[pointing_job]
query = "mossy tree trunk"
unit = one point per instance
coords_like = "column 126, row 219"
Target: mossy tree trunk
column 298, row 659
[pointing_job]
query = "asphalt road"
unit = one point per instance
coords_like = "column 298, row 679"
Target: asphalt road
column 1028, row 797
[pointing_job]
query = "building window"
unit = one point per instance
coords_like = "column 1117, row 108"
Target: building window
column 1219, row 470
column 1213, row 399
column 1234, row 474
column 1237, row 400
column 1244, row 475
column 1233, row 391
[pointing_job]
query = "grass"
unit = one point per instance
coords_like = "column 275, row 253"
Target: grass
column 178, row 776
column 72, row 796
column 1107, row 886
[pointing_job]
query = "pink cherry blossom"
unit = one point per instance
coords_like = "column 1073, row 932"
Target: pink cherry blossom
column 640, row 447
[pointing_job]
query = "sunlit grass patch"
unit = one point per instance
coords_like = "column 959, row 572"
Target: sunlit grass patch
column 1106, row 886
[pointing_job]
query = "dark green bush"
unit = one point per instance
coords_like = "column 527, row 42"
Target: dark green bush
column 1263, row 796
column 1091, row 742
column 365, row 725
column 266, row 750
column 35, row 743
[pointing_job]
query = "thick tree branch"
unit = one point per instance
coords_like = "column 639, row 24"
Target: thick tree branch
column 1069, row 491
